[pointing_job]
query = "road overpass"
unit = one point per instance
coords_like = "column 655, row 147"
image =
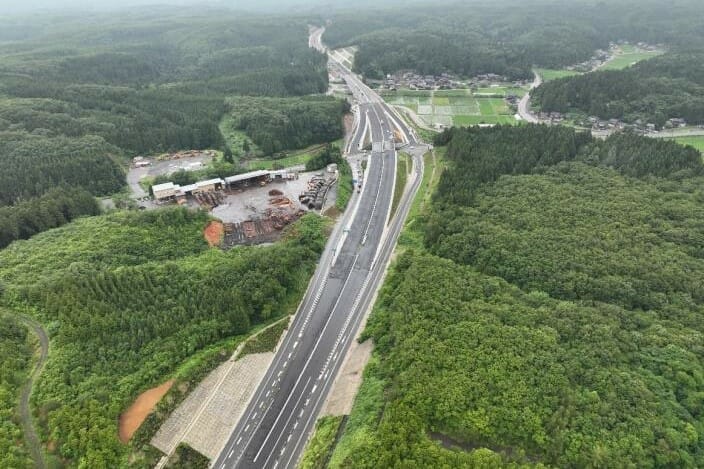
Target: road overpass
column 281, row 415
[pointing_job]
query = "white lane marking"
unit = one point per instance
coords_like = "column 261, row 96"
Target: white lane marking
column 303, row 390
column 231, row 453
column 238, row 440
column 277, row 421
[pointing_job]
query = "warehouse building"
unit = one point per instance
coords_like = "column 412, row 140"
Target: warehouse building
column 166, row 191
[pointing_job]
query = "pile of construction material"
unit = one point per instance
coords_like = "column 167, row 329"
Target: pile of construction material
column 266, row 229
column 210, row 200
column 314, row 197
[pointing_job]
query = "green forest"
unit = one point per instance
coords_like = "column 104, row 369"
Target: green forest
column 276, row 124
column 15, row 361
column 551, row 316
column 82, row 93
column 507, row 38
column 652, row 91
column 126, row 298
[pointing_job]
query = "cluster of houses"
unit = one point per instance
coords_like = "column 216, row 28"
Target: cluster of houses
column 486, row 80
column 638, row 125
column 599, row 58
column 414, row 81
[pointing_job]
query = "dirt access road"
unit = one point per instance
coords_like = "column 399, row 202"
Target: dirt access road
column 30, row 433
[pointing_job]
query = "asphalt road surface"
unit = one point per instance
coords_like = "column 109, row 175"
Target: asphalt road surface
column 524, row 103
column 275, row 427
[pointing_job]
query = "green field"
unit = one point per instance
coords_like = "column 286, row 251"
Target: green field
column 454, row 107
column 549, row 74
column 696, row 142
column 500, row 91
column 629, row 55
column 298, row 158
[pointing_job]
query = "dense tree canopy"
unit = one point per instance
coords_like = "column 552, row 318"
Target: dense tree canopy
column 31, row 165
column 553, row 317
column 276, row 124
column 55, row 208
column 127, row 298
column 81, row 93
column 507, row 38
column 651, row 91
column 15, row 359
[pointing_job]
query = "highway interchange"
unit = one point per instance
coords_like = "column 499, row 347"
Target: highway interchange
column 281, row 415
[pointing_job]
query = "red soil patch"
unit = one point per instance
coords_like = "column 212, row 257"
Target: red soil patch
column 214, row 233
column 133, row 417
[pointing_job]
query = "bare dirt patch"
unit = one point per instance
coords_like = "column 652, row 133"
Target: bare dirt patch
column 133, row 417
column 214, row 233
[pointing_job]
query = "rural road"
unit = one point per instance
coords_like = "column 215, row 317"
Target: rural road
column 282, row 413
column 524, row 103
column 30, row 433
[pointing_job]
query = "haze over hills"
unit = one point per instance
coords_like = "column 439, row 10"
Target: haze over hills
column 175, row 178
column 9, row 7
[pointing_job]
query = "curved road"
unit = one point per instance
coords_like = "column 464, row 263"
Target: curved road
column 524, row 103
column 30, row 433
column 275, row 427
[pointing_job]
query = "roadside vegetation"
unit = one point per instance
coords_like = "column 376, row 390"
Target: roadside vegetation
column 266, row 340
column 144, row 294
column 548, row 315
column 345, row 186
column 186, row 457
column 15, row 362
column 404, row 166
column 322, row 443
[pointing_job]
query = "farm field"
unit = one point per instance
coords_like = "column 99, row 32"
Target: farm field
column 696, row 142
column 500, row 91
column 453, row 107
column 629, row 56
column 549, row 74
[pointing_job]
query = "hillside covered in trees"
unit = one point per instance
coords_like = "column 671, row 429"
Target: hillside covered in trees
column 552, row 316
column 507, row 38
column 15, row 361
column 276, row 124
column 81, row 93
column 653, row 91
column 126, row 299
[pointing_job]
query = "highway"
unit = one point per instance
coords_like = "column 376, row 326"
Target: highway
column 275, row 427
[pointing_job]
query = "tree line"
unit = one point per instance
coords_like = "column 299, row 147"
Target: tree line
column 55, row 208
column 509, row 38
column 652, row 91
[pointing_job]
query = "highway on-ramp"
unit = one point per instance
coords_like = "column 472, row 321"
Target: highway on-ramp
column 280, row 416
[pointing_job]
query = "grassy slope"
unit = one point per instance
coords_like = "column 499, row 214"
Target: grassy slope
column 319, row 447
column 696, row 142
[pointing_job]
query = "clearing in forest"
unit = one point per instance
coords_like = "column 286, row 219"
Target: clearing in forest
column 214, row 233
column 133, row 417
